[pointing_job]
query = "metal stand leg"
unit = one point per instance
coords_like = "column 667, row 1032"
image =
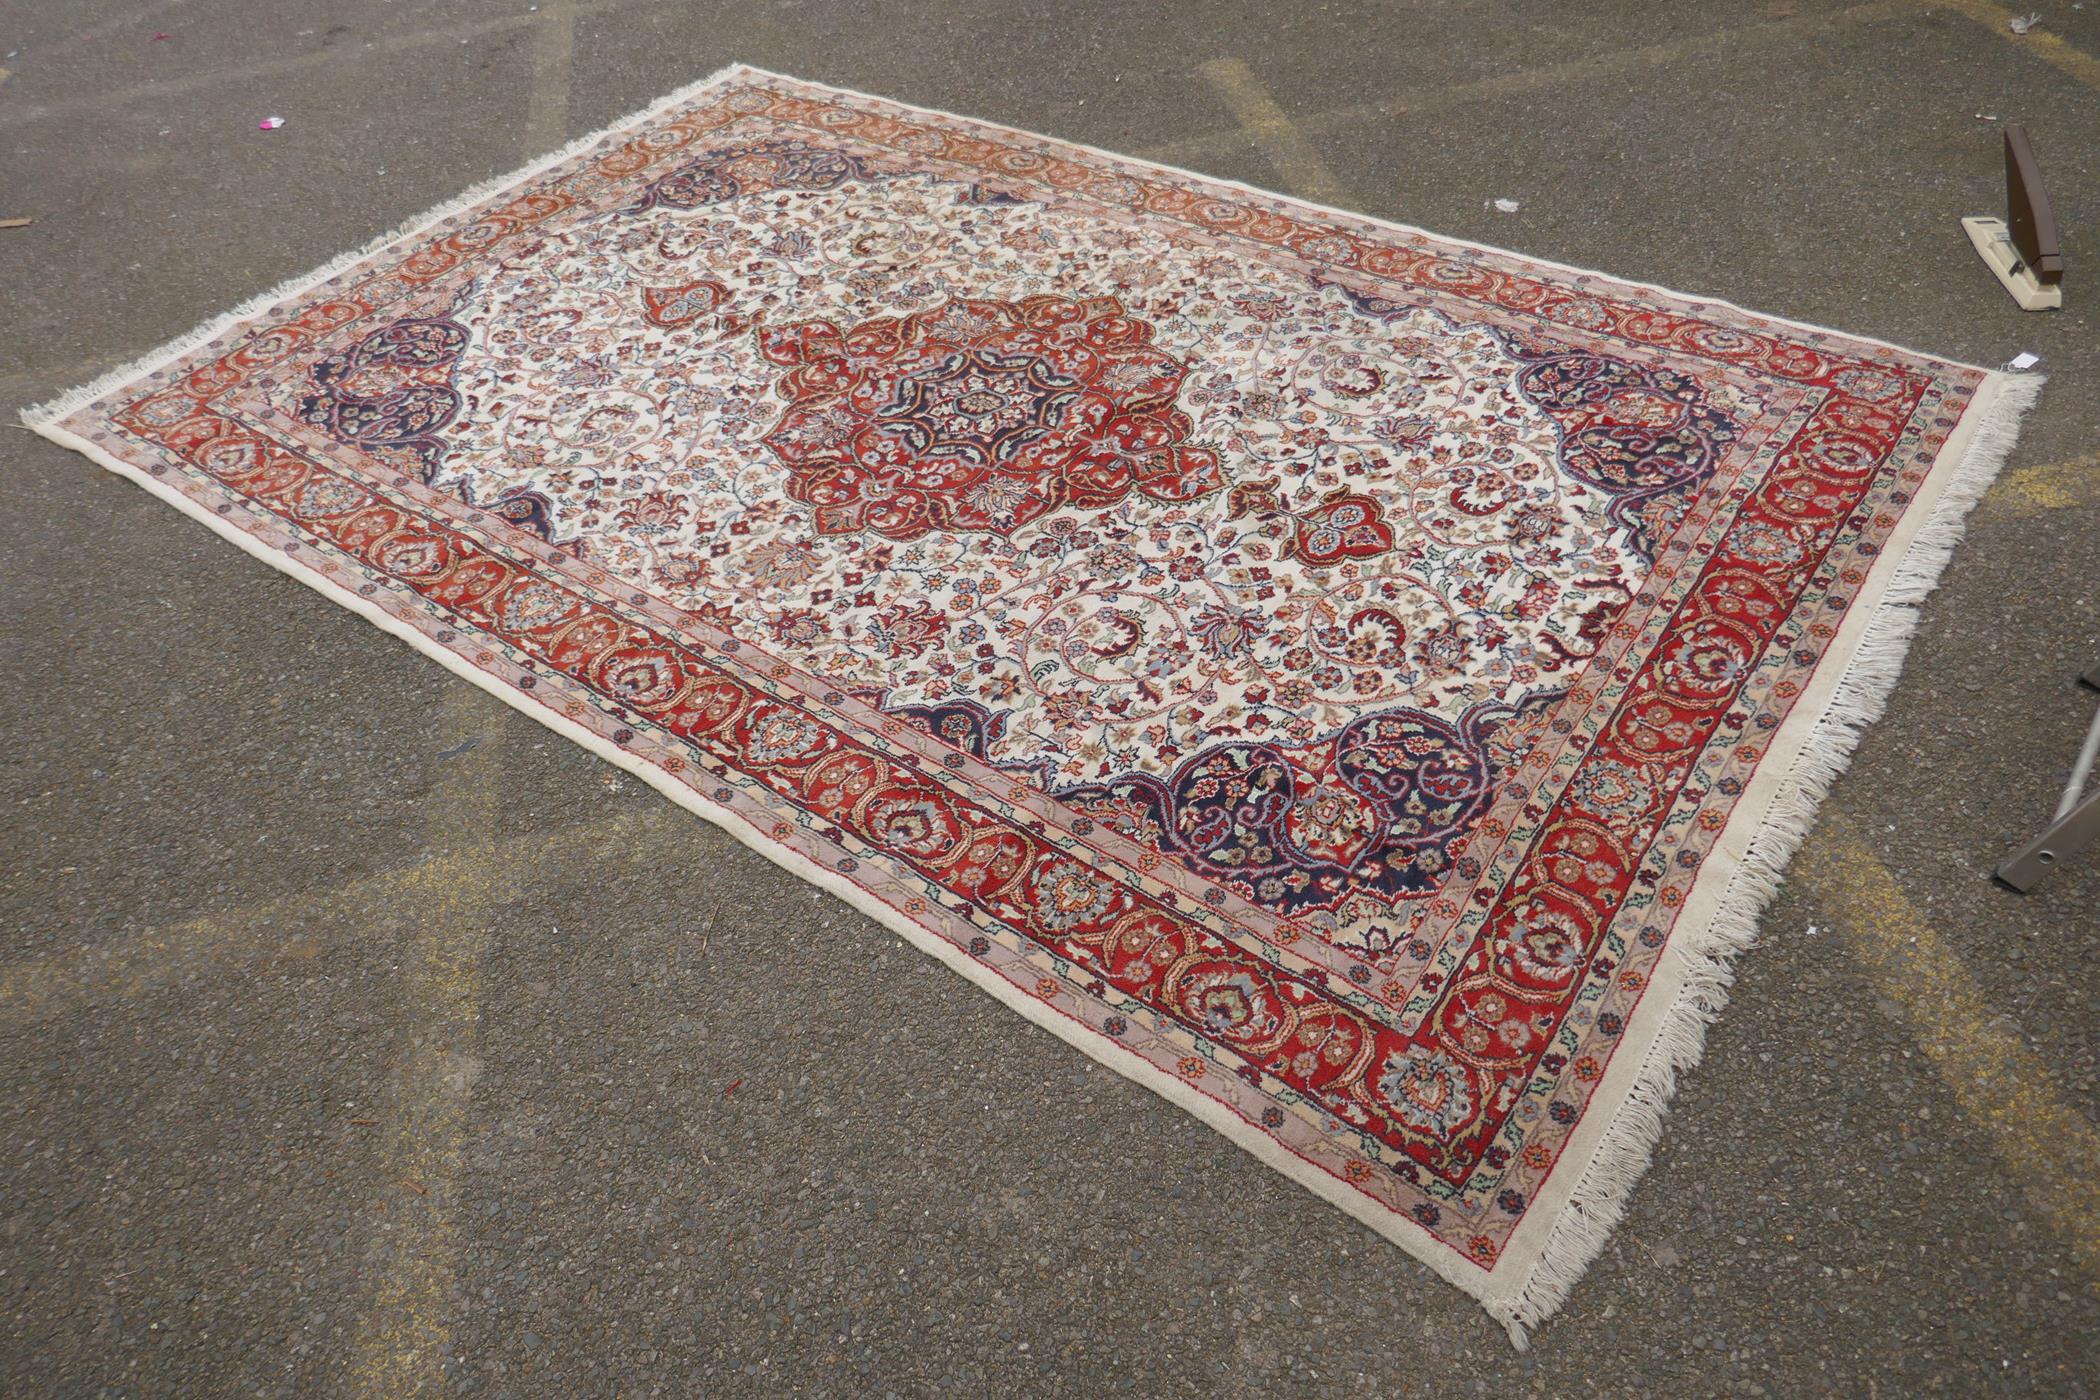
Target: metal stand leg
column 2076, row 824
column 2066, row 836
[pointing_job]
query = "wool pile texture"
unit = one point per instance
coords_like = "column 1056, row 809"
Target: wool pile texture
column 1359, row 685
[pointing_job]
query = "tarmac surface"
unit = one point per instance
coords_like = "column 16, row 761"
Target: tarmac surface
column 360, row 1037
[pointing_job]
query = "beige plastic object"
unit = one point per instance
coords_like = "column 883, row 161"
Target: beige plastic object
column 1994, row 242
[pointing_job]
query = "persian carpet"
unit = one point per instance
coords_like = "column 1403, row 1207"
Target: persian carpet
column 1358, row 685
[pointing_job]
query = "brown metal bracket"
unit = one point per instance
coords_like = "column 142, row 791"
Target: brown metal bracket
column 2022, row 249
column 2027, row 213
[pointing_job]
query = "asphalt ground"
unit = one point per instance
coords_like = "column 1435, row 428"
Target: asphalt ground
column 360, row 1037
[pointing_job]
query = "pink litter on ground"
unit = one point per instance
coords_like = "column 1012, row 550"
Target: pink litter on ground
column 270, row 123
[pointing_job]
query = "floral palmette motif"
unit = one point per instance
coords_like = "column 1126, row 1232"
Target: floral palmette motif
column 1429, row 1094
column 1347, row 525
column 1382, row 815
column 675, row 307
column 391, row 394
column 980, row 416
column 392, row 390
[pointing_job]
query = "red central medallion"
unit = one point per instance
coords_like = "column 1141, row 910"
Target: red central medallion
column 980, row 416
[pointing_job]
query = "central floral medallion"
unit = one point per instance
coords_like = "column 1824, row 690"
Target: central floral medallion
column 980, row 416
column 979, row 407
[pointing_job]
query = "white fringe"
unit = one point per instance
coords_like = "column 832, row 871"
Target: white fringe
column 1862, row 694
column 1624, row 1149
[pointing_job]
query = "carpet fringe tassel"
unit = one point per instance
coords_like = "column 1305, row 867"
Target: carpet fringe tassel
column 1862, row 695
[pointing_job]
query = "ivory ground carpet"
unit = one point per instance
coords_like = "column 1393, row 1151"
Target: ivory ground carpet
column 1358, row 685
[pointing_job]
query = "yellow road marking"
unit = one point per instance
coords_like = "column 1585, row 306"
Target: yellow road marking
column 2056, row 486
column 1297, row 164
column 412, row 1259
column 2003, row 1087
column 553, row 60
column 1602, row 66
column 296, row 926
column 2045, row 46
